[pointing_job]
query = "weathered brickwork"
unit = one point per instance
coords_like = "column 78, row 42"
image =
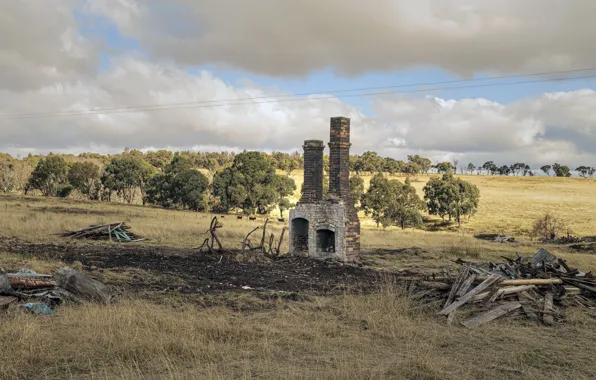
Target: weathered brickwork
column 326, row 227
column 339, row 158
column 313, row 171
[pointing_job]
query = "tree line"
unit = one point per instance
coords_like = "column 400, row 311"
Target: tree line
column 248, row 181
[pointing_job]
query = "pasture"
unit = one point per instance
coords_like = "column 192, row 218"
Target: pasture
column 159, row 329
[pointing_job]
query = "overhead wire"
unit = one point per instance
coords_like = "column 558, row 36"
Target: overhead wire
column 282, row 98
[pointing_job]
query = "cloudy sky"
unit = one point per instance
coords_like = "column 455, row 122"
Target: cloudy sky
column 180, row 74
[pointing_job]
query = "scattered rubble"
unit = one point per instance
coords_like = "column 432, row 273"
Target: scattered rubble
column 539, row 287
column 118, row 232
column 40, row 293
column 496, row 238
column 505, row 239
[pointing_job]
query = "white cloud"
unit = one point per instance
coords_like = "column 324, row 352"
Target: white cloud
column 50, row 67
column 39, row 44
column 553, row 126
column 294, row 37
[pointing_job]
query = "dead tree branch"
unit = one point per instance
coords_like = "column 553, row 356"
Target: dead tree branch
column 209, row 242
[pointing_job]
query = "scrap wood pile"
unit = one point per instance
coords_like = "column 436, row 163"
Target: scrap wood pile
column 118, row 232
column 537, row 287
column 40, row 293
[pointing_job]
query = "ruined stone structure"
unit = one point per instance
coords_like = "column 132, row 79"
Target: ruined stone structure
column 326, row 226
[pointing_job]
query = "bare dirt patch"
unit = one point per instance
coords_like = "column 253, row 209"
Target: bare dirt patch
column 142, row 268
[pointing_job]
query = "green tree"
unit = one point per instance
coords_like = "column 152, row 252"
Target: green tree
column 445, row 167
column 49, row 175
column 158, row 191
column 375, row 201
column 424, row 163
column 392, row 166
column 356, row 189
column 8, row 173
column 84, row 177
column 390, row 202
column 471, row 167
column 354, row 166
column 370, row 162
column 284, row 204
column 582, row 171
column 451, row 196
column 546, row 169
column 504, row 170
column 561, row 170
column 490, row 167
column 159, row 159
column 125, row 176
column 405, row 210
column 181, row 186
column 250, row 183
column 411, row 168
column 187, row 190
column 284, row 187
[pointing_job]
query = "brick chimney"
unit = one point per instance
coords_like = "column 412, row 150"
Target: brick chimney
column 312, row 190
column 339, row 158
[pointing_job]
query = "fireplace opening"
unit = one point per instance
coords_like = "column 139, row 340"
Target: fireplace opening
column 299, row 235
column 325, row 241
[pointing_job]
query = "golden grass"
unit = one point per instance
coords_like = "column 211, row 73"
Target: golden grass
column 510, row 205
column 378, row 336
column 346, row 337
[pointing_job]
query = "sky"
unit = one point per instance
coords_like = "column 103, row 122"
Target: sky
column 269, row 74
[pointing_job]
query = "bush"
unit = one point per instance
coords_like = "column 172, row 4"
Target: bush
column 548, row 227
column 64, row 191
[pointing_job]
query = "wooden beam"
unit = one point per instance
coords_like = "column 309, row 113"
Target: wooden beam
column 492, row 314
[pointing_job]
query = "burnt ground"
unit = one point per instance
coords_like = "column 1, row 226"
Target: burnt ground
column 143, row 268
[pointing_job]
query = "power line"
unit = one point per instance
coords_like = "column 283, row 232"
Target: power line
column 276, row 99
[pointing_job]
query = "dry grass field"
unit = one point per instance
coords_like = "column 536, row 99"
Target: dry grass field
column 382, row 335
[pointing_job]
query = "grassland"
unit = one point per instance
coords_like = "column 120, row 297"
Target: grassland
column 377, row 336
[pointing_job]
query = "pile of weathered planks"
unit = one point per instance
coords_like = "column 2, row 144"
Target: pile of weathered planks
column 539, row 287
column 118, row 232
column 40, row 293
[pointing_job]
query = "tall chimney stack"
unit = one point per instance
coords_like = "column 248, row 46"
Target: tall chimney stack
column 339, row 158
column 312, row 190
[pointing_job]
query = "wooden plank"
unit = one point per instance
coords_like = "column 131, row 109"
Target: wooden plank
column 547, row 315
column 466, row 286
column 533, row 281
column 504, row 292
column 435, row 285
column 527, row 308
column 469, row 295
column 542, row 256
column 582, row 285
column 522, row 281
column 492, row 314
column 456, row 285
column 30, row 283
column 7, row 300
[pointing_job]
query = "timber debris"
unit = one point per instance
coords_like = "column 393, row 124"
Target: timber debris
column 537, row 287
column 116, row 232
column 41, row 293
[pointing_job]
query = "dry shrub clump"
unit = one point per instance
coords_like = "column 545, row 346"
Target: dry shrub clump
column 548, row 226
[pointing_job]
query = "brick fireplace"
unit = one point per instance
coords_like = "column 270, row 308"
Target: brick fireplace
column 328, row 226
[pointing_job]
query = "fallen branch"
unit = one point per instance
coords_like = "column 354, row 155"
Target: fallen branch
column 208, row 243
